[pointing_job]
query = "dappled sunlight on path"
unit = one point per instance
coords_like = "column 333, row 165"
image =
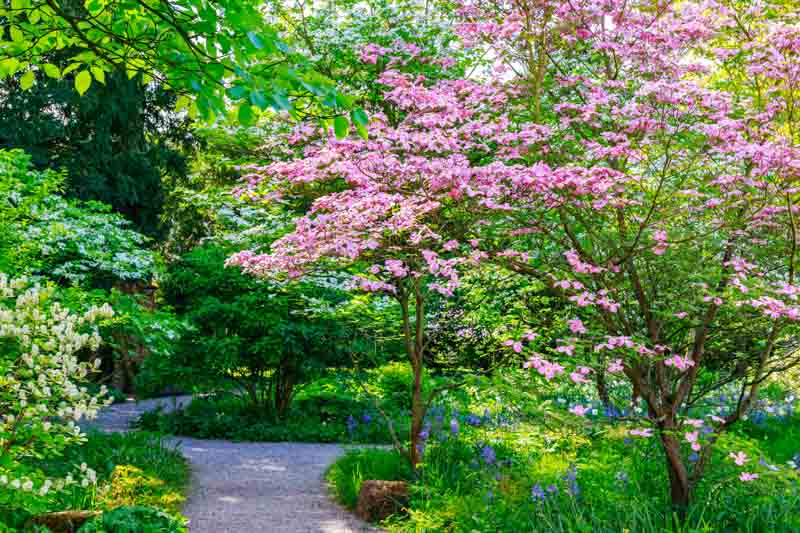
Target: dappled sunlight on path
column 247, row 487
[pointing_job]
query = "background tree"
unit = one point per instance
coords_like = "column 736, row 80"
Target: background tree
column 118, row 142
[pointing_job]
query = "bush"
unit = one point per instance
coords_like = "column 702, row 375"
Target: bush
column 347, row 474
column 133, row 520
column 42, row 386
column 261, row 338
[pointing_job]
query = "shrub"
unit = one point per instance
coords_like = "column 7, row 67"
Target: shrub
column 228, row 417
column 41, row 392
column 261, row 338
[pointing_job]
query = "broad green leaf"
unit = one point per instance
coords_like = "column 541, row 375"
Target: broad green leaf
column 258, row 99
column 27, row 80
column 69, row 68
column 16, row 35
column 341, row 127
column 362, row 131
column 83, row 81
column 358, row 116
column 99, row 74
column 8, row 66
column 182, row 103
column 255, row 39
column 52, row 70
column 246, row 115
column 281, row 103
column 236, row 92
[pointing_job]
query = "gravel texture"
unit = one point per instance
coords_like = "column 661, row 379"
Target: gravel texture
column 246, row 487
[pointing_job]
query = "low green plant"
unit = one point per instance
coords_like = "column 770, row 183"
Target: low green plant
column 347, row 474
column 135, row 519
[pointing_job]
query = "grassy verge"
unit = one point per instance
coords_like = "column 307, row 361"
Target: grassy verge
column 134, row 470
column 346, row 475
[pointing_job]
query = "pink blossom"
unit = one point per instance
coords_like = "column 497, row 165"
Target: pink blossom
column 576, row 326
column 644, row 432
column 681, row 363
column 579, row 410
column 747, row 477
column 740, row 458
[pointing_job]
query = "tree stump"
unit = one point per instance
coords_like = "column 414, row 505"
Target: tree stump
column 379, row 499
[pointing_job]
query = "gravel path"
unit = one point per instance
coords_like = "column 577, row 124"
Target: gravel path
column 246, row 487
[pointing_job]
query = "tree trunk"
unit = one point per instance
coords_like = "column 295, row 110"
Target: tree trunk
column 284, row 389
column 417, row 416
column 602, row 387
column 680, row 492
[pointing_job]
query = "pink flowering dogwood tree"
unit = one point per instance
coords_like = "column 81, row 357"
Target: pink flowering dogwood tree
column 662, row 206
column 402, row 208
column 628, row 170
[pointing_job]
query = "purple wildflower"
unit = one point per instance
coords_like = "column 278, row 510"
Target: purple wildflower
column 571, row 478
column 351, row 424
column 454, row 426
column 488, row 455
column 537, row 493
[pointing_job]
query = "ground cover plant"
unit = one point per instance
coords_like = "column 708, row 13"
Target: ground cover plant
column 127, row 470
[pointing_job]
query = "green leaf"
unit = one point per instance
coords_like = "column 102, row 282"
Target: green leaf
column 83, row 81
column 281, row 103
column 69, row 68
column 358, row 116
column 237, row 92
column 362, row 131
column 182, row 103
column 341, row 127
column 255, row 39
column 52, row 70
column 258, row 99
column 27, row 80
column 99, row 74
column 16, row 35
column 246, row 116
column 8, row 67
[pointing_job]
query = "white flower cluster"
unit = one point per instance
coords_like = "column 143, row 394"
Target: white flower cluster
column 41, row 393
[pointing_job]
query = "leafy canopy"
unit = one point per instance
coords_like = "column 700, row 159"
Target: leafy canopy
column 218, row 51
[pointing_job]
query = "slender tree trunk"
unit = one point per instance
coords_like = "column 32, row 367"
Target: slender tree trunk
column 417, row 416
column 414, row 342
column 602, row 387
column 680, row 491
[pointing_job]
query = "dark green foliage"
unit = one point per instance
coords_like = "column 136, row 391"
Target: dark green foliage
column 116, row 142
column 308, row 420
column 133, row 520
column 261, row 338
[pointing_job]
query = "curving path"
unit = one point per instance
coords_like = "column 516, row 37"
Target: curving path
column 246, row 487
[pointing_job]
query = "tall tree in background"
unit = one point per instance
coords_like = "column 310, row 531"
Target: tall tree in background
column 116, row 142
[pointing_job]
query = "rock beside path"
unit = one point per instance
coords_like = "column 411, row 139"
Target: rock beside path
column 380, row 499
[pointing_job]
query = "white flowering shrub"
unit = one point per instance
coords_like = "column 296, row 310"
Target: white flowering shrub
column 42, row 398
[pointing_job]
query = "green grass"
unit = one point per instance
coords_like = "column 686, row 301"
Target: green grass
column 347, row 474
column 133, row 470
